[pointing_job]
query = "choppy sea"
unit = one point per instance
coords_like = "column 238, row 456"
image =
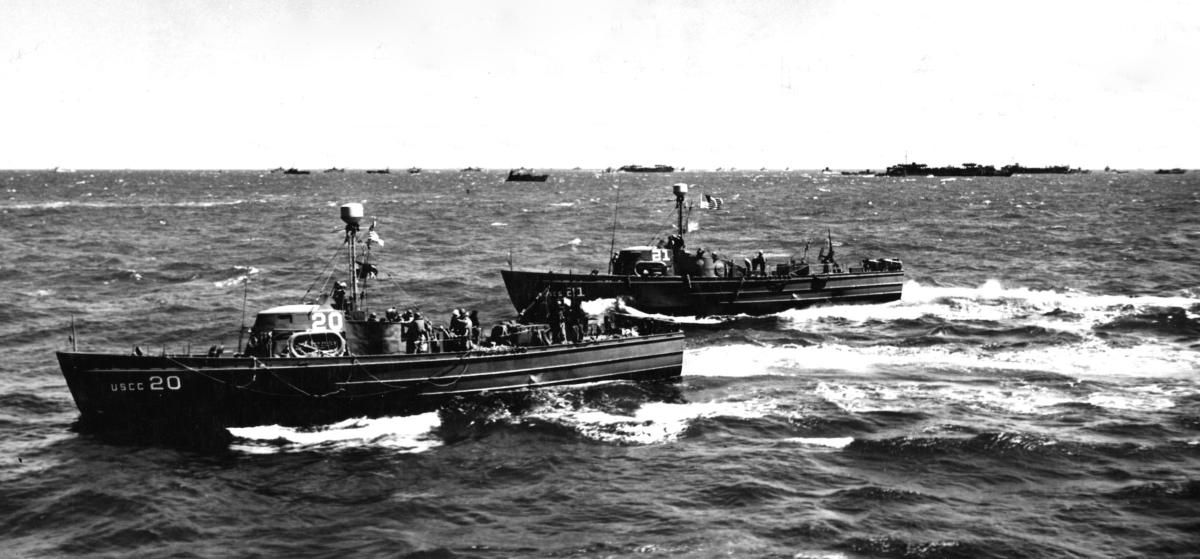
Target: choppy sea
column 1036, row 392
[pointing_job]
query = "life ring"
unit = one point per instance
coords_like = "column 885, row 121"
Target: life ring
column 316, row 344
column 650, row 268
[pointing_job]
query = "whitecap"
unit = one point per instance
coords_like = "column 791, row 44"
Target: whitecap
column 241, row 278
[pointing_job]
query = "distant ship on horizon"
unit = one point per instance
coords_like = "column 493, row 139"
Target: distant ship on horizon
column 1018, row 169
column 967, row 170
column 525, row 175
column 645, row 169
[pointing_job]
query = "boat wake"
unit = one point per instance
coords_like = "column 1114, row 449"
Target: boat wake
column 649, row 424
column 608, row 414
column 993, row 301
column 1025, row 399
column 408, row 434
column 684, row 320
column 1089, row 359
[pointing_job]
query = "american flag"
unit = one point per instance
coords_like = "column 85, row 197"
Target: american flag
column 711, row 203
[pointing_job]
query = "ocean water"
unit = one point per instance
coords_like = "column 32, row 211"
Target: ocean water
column 1036, row 392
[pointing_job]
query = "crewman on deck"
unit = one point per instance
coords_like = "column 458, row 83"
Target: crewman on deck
column 408, row 332
column 392, row 315
column 421, row 333
column 476, row 328
column 458, row 330
column 759, row 264
column 578, row 319
column 467, row 326
column 339, row 296
column 557, row 330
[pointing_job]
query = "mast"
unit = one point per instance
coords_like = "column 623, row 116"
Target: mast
column 366, row 263
column 680, row 190
column 612, row 245
column 352, row 214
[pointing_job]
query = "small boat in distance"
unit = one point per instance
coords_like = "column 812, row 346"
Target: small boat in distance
column 525, row 175
column 295, row 171
column 332, row 358
column 1175, row 171
column 414, row 170
column 667, row 279
column 470, row 170
column 379, row 171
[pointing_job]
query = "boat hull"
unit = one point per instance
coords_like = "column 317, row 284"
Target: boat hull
column 691, row 296
column 204, row 392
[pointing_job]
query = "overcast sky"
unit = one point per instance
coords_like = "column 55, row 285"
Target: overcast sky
column 495, row 83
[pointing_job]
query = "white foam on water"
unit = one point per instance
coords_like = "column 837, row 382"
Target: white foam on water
column 1021, row 301
column 1153, row 397
column 749, row 360
column 209, row 204
column 819, row 555
column 651, row 423
column 992, row 301
column 853, row 398
column 597, row 307
column 827, row 442
column 58, row 204
column 668, row 318
column 1088, row 359
column 410, row 434
column 250, row 270
column 1027, row 399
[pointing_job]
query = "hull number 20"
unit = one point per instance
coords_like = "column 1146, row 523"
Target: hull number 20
column 170, row 382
